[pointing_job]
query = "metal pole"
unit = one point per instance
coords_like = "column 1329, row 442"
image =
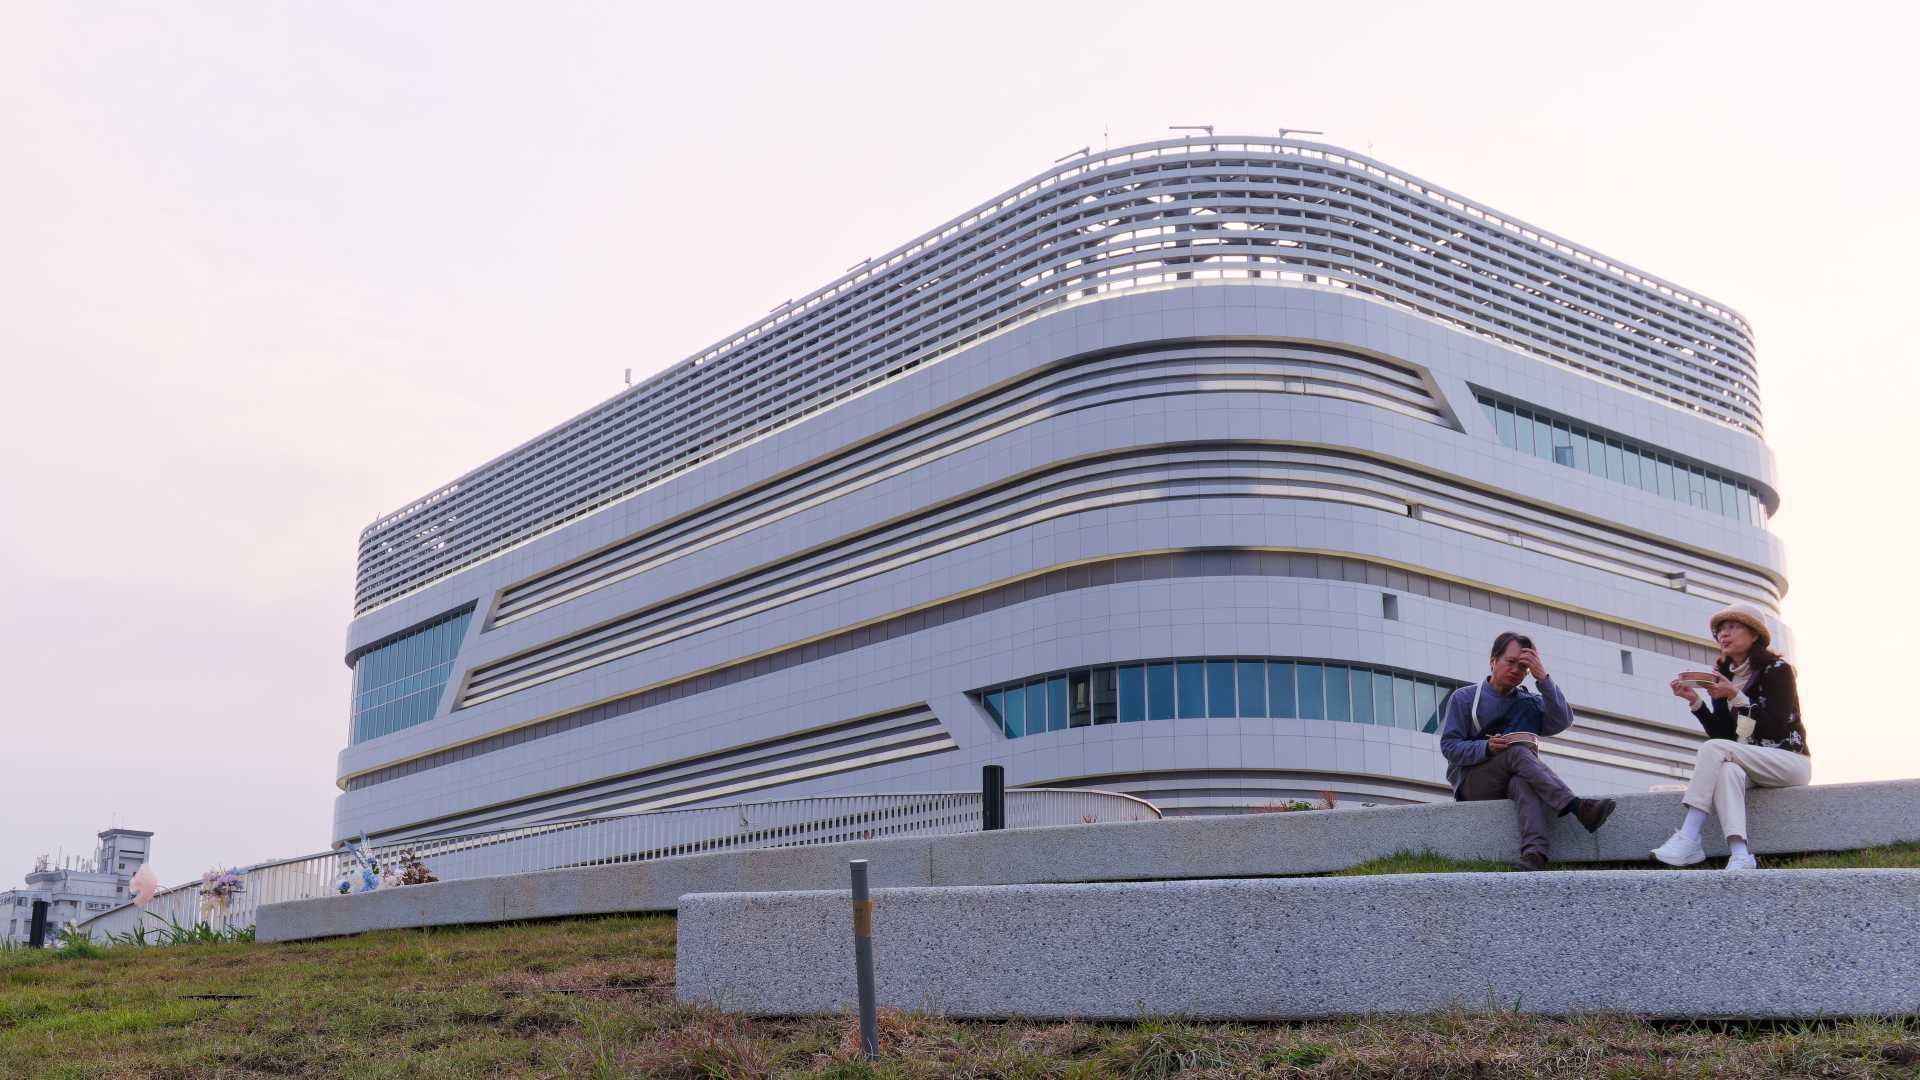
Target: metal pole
column 37, row 936
column 863, row 960
column 993, row 797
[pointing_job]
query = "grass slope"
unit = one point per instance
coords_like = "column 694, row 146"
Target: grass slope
column 594, row 998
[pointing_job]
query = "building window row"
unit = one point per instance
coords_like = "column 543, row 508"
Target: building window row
column 1563, row 442
column 1218, row 688
column 399, row 684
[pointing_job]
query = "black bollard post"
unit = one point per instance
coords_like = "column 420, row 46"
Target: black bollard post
column 863, row 960
column 37, row 935
column 993, row 797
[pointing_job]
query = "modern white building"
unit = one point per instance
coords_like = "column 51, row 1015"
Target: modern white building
column 1197, row 469
column 78, row 889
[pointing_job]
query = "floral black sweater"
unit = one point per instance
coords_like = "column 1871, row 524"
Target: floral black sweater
column 1773, row 700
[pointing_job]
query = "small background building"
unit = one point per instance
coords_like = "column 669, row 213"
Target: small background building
column 79, row 890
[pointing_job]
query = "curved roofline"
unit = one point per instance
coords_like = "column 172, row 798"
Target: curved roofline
column 1080, row 167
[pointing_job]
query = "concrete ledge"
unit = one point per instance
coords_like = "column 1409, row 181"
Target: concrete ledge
column 1769, row 943
column 1826, row 818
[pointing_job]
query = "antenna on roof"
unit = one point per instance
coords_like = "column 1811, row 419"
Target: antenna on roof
column 1082, row 152
column 629, row 376
column 1208, row 128
column 1284, row 132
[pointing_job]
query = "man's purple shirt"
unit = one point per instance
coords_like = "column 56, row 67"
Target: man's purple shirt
column 1464, row 748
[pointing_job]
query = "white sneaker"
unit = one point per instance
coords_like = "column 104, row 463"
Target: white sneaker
column 1680, row 850
column 1740, row 862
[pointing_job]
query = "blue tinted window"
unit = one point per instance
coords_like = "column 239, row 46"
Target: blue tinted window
column 1522, row 431
column 1192, row 688
column 1036, row 708
column 1280, row 688
column 1057, row 703
column 1503, row 425
column 1159, row 691
column 1425, row 705
column 1361, row 696
column 1339, row 693
column 1253, row 688
column 400, row 683
column 1312, row 697
column 994, row 710
column 1403, row 704
column 1562, row 444
column 1543, row 443
column 1016, row 706
column 1105, row 711
column 1220, row 688
column 1133, row 694
column 1383, row 699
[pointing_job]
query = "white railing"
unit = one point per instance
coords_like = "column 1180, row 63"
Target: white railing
column 598, row 841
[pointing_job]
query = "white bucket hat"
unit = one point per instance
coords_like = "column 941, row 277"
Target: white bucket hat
column 1746, row 615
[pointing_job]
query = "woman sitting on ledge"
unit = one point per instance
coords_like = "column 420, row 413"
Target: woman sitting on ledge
column 1754, row 737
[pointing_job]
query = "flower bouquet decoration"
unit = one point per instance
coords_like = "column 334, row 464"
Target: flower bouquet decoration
column 218, row 888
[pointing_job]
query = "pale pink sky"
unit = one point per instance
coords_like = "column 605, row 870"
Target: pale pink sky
column 267, row 270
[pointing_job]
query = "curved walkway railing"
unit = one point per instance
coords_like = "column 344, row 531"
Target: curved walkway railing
column 597, row 841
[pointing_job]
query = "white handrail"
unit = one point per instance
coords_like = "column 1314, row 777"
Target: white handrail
column 619, row 838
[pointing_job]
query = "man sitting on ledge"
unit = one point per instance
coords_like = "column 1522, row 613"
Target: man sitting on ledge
column 1488, row 739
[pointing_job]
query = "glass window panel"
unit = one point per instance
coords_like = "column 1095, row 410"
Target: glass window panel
column 1312, row 693
column 1542, row 439
column 1425, row 704
column 1503, row 425
column 1159, row 691
column 1079, row 699
column 1729, row 500
column 1404, row 704
column 1016, row 706
column 1339, row 693
column 1133, row 694
column 1361, row 682
column 1190, row 688
column 993, row 709
column 1220, row 682
column 1579, row 451
column 1253, row 687
column 1596, row 456
column 1666, row 478
column 1696, row 488
column 1492, row 411
column 1036, row 707
column 1630, row 465
column 1649, row 482
column 1057, row 703
column 1616, row 467
column 1279, row 688
column 1523, row 431
column 1105, row 709
column 1713, row 493
column 1562, row 444
column 1383, row 699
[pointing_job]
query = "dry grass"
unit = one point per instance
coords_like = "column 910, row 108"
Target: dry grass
column 594, row 998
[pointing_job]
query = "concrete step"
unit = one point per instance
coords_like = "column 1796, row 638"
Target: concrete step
column 1767, row 943
column 1834, row 817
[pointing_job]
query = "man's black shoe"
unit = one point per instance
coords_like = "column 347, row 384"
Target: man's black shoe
column 1531, row 860
column 1593, row 813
